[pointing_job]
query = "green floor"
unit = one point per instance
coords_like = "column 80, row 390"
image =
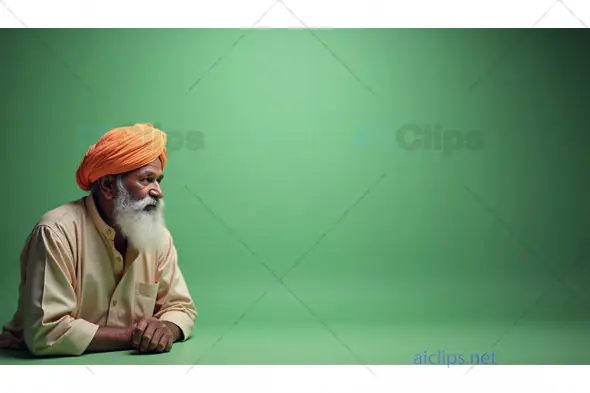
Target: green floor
column 531, row 343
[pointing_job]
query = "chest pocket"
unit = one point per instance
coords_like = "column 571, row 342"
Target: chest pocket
column 145, row 300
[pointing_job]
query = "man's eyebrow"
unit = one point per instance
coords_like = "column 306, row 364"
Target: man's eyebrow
column 148, row 172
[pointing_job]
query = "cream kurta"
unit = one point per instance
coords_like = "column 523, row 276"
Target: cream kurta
column 69, row 274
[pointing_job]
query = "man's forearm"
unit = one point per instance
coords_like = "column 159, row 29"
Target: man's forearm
column 108, row 338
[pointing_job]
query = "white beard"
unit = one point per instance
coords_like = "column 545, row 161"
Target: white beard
column 144, row 229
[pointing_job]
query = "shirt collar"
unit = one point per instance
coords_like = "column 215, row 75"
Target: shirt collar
column 106, row 230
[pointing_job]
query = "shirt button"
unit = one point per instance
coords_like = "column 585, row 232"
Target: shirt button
column 109, row 231
column 115, row 302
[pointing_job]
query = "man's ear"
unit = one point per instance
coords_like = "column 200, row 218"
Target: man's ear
column 107, row 186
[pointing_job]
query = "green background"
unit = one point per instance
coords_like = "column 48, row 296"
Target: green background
column 296, row 169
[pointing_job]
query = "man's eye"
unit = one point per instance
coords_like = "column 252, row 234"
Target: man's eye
column 149, row 179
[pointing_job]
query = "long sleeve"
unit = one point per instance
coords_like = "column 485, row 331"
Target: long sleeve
column 50, row 302
column 174, row 303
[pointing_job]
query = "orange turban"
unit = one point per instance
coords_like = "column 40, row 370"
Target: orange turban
column 121, row 150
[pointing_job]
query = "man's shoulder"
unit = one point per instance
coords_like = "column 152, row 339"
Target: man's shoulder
column 169, row 247
column 63, row 218
column 168, row 238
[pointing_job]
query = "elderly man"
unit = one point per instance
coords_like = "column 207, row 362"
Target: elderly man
column 101, row 273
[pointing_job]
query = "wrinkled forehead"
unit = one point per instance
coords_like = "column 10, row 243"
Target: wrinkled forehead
column 153, row 168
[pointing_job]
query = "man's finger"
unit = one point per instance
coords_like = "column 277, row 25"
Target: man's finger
column 138, row 332
column 162, row 343
column 170, row 341
column 169, row 344
column 158, row 334
column 147, row 336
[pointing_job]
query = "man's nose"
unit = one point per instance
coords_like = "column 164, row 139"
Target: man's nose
column 156, row 191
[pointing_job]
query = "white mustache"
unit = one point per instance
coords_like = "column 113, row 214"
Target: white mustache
column 143, row 203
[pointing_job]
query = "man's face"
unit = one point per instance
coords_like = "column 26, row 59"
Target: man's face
column 145, row 181
column 139, row 207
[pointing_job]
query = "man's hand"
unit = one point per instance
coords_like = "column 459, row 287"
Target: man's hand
column 150, row 335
